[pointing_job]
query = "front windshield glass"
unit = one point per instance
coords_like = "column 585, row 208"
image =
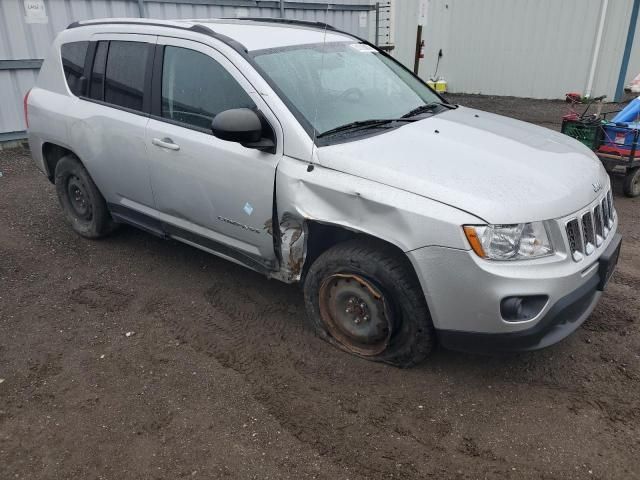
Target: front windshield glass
column 345, row 82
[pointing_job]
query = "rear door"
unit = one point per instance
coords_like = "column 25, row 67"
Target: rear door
column 112, row 118
column 211, row 192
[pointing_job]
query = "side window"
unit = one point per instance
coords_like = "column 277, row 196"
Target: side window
column 96, row 86
column 125, row 72
column 73, row 56
column 195, row 88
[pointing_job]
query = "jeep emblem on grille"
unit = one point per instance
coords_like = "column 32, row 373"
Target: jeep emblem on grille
column 597, row 187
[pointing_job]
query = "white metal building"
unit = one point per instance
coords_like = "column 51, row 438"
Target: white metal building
column 523, row 48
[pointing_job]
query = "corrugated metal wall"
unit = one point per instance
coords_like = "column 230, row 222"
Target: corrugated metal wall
column 403, row 30
column 22, row 41
column 524, row 48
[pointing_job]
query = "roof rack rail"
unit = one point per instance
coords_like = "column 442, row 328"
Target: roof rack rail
column 305, row 23
column 236, row 45
column 197, row 28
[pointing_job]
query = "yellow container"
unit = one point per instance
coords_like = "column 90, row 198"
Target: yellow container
column 441, row 86
column 431, row 83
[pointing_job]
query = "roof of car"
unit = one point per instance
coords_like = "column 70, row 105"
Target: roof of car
column 252, row 33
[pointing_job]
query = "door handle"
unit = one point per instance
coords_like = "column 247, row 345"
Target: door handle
column 166, row 142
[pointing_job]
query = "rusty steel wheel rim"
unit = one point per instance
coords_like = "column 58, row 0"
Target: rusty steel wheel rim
column 355, row 313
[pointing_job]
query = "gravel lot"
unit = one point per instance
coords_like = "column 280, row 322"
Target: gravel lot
column 223, row 379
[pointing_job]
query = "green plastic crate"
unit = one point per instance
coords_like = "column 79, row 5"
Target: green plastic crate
column 588, row 133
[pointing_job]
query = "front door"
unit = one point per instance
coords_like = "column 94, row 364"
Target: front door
column 211, row 192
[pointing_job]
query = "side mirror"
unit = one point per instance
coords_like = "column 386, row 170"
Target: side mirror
column 241, row 125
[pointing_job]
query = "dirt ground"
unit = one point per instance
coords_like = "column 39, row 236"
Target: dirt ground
column 223, row 379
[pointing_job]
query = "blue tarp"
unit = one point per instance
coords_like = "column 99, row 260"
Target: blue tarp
column 631, row 113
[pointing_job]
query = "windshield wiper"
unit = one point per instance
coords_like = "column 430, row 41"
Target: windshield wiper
column 429, row 107
column 363, row 125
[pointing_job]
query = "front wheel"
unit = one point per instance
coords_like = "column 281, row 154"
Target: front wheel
column 631, row 187
column 364, row 298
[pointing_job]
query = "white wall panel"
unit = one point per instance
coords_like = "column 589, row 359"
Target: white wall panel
column 524, row 48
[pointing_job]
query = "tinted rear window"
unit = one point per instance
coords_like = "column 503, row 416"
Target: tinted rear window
column 125, row 72
column 73, row 56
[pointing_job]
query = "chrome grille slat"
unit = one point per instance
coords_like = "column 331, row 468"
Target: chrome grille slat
column 588, row 233
column 599, row 226
column 610, row 207
column 605, row 210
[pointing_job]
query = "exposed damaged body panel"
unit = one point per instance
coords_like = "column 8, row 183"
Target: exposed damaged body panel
column 292, row 243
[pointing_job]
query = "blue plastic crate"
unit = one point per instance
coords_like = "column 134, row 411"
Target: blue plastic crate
column 620, row 139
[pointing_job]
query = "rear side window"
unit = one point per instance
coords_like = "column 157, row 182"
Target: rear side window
column 195, row 88
column 73, row 55
column 96, row 88
column 125, row 74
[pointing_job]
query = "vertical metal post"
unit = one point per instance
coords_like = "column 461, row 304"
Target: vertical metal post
column 416, row 64
column 141, row 8
column 281, row 8
column 627, row 51
column 377, row 23
column 596, row 48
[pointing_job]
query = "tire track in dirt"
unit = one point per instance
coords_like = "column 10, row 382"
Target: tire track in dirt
column 267, row 341
column 96, row 296
column 260, row 332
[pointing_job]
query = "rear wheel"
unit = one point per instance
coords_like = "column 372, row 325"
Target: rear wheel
column 82, row 203
column 365, row 299
column 631, row 185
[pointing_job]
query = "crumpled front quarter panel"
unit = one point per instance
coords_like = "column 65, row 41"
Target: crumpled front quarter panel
column 404, row 219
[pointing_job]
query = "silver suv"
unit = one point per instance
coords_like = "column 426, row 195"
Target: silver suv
column 309, row 155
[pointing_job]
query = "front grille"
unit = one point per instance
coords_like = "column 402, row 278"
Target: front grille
column 587, row 231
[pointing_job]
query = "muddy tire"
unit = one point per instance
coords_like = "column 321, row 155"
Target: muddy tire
column 364, row 298
column 631, row 187
column 82, row 203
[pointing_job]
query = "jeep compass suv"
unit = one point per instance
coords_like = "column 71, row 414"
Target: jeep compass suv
column 309, row 155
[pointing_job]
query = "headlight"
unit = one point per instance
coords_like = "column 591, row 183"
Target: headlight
column 509, row 242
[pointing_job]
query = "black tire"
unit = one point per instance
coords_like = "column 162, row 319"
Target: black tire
column 631, row 187
column 374, row 269
column 82, row 203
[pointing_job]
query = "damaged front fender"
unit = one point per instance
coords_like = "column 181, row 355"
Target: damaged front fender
column 404, row 219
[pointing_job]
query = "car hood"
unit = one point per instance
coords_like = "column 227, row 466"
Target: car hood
column 497, row 168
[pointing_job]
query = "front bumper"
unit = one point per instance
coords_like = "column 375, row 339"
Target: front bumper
column 464, row 295
column 559, row 322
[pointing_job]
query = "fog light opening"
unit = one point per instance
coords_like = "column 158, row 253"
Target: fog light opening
column 519, row 309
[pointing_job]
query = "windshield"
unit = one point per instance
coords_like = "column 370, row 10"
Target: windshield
column 345, row 82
